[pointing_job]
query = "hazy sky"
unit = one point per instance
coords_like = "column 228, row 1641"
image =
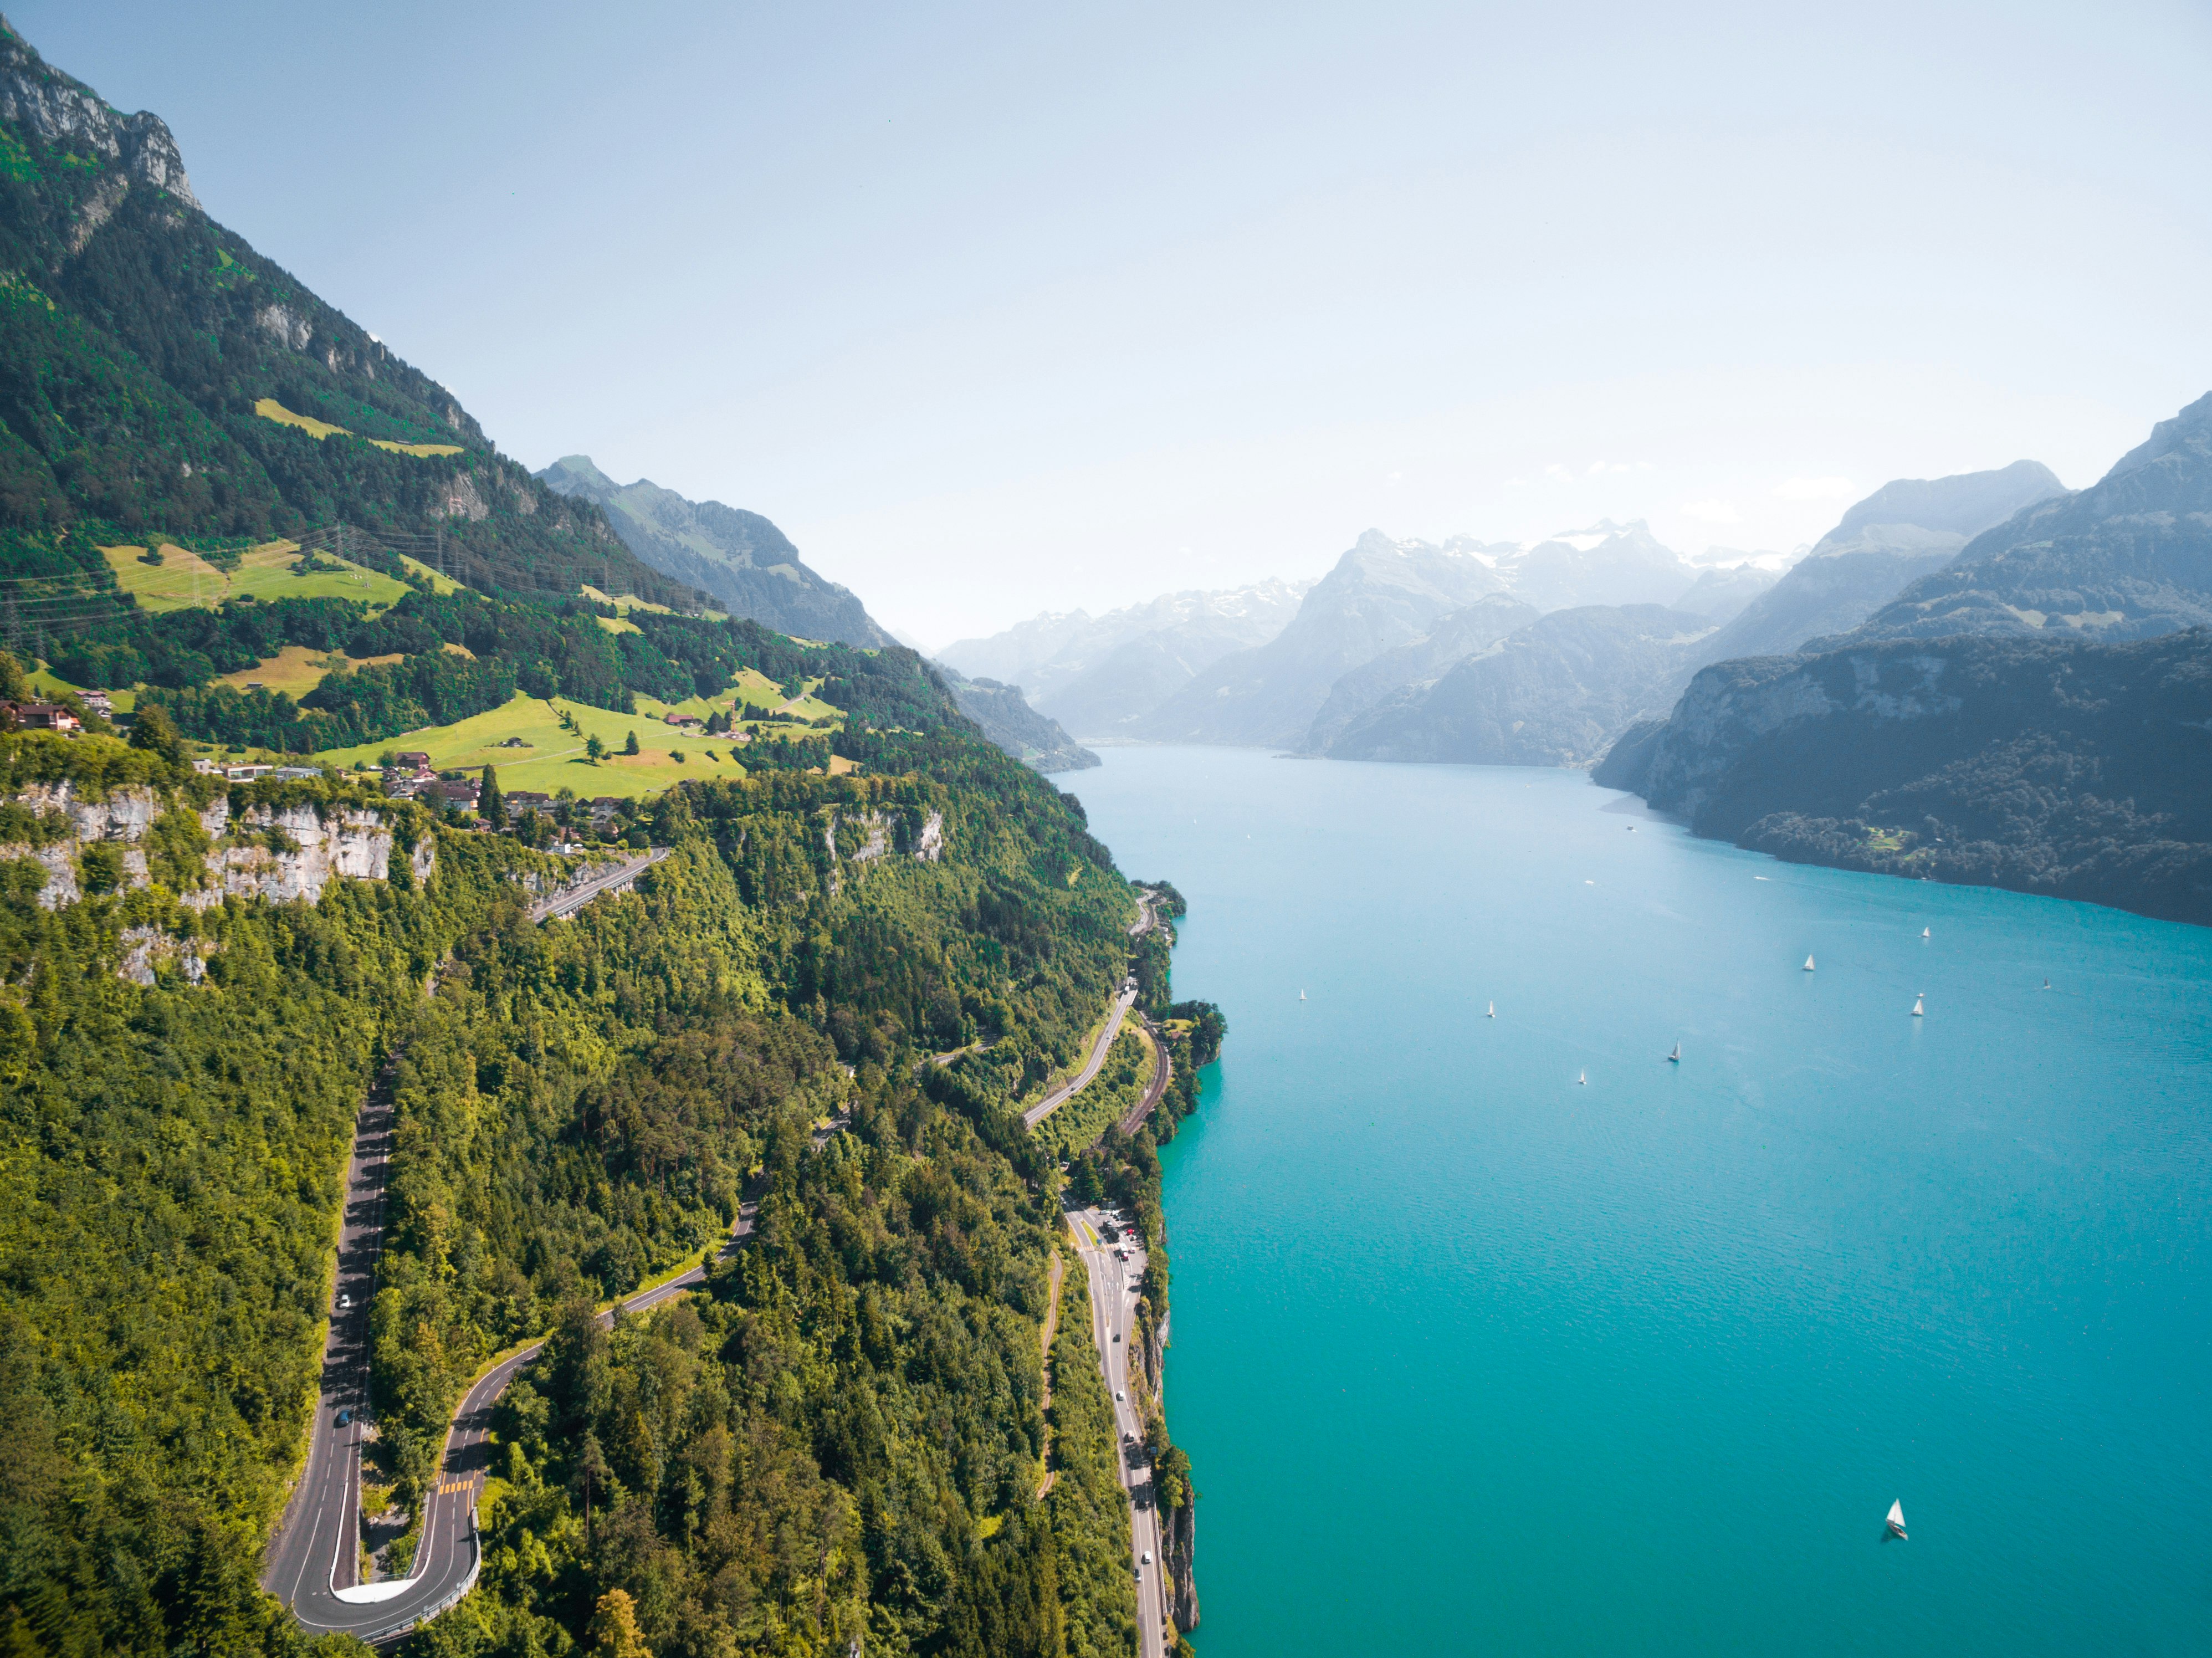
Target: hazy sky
column 1002, row 309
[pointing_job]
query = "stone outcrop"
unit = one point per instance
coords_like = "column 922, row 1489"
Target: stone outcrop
column 282, row 854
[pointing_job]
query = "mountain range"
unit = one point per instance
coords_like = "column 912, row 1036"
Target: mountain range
column 739, row 558
column 1295, row 664
column 2034, row 713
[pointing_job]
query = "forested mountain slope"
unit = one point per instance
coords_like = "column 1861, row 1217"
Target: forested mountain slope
column 2078, row 770
column 738, row 557
column 841, row 1441
column 160, row 377
column 1004, row 715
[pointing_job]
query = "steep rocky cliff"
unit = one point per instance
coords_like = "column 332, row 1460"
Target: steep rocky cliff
column 279, row 851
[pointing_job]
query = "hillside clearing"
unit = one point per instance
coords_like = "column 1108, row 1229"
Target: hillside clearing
column 270, row 409
column 182, row 579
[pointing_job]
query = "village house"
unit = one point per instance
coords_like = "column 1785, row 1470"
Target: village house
column 44, row 717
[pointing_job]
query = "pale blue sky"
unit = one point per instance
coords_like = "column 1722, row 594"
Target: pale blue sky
column 999, row 308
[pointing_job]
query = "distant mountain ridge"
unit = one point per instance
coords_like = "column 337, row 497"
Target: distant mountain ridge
column 738, row 557
column 2034, row 713
column 2129, row 558
column 1381, row 594
column 1097, row 674
column 1904, row 530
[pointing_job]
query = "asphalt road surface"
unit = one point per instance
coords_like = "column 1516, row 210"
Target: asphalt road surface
column 1113, row 1324
column 314, row 1562
column 312, row 1565
column 564, row 904
column 1067, row 1091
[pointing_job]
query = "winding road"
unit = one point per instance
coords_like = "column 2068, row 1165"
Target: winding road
column 314, row 1562
column 1096, row 1061
column 1114, row 1285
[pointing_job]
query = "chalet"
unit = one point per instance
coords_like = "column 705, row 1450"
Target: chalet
column 608, row 807
column 413, row 760
column 522, row 800
column 99, row 702
column 46, row 717
column 682, row 720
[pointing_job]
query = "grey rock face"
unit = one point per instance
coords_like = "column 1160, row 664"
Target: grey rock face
column 57, row 107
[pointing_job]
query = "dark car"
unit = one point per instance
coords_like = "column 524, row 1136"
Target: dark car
column 344, row 1417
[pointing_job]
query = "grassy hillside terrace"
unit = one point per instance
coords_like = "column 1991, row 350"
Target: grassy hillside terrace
column 183, row 579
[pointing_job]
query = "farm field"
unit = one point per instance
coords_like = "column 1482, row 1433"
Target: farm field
column 547, row 757
column 183, row 579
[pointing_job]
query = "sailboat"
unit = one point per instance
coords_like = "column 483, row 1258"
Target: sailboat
column 1809, row 964
column 1896, row 1522
column 1924, row 932
column 1493, row 1011
column 1302, row 995
column 2046, row 984
column 1675, row 1057
column 1918, row 1011
column 1583, row 1078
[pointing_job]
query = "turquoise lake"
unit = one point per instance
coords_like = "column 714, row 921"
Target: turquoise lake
column 1470, row 1357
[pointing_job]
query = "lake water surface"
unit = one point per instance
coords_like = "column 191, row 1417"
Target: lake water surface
column 1472, row 1357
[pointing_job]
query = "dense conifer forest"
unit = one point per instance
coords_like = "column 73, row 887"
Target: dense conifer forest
column 843, row 1436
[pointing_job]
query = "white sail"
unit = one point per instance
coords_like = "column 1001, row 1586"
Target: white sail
column 1924, row 932
column 1676, row 1056
column 1897, row 1518
column 1302, row 995
column 1493, row 1011
column 1809, row 964
column 1918, row 1011
column 1582, row 1076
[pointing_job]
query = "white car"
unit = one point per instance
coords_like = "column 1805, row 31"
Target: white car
column 1148, row 1556
column 1120, row 1397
